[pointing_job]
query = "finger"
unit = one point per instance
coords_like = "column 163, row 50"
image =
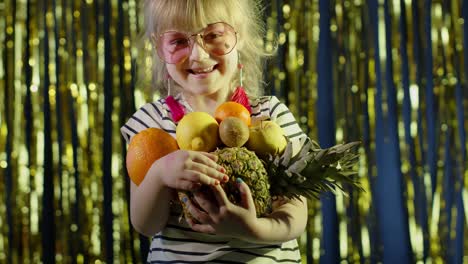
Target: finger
column 187, row 185
column 208, row 159
column 216, row 173
column 206, row 201
column 246, row 196
column 220, row 195
column 211, row 156
column 200, row 227
column 198, row 177
column 197, row 213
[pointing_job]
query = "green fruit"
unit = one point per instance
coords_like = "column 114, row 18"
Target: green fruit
column 266, row 138
column 233, row 132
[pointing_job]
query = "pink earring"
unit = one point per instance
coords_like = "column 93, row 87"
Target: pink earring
column 239, row 95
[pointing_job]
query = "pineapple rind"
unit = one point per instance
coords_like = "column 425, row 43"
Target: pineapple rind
column 240, row 162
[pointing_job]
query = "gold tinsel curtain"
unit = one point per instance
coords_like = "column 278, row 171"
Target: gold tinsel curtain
column 392, row 74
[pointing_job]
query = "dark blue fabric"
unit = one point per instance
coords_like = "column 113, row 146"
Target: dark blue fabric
column 326, row 131
column 47, row 222
column 431, row 110
column 419, row 202
column 461, row 94
column 390, row 208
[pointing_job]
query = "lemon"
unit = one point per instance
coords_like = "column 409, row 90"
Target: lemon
column 197, row 131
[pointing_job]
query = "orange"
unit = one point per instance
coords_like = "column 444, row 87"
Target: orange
column 145, row 148
column 233, row 109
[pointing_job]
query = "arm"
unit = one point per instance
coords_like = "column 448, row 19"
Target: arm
column 286, row 222
column 149, row 203
column 179, row 170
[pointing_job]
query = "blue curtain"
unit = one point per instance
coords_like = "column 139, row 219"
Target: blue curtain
column 390, row 232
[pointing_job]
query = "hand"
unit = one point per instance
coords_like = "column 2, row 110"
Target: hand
column 220, row 216
column 188, row 170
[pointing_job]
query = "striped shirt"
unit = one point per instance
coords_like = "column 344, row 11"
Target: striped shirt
column 177, row 242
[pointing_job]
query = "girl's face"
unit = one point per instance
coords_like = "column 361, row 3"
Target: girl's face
column 204, row 63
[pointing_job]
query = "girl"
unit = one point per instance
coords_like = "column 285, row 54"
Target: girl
column 201, row 50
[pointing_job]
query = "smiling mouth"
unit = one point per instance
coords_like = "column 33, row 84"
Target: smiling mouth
column 203, row 70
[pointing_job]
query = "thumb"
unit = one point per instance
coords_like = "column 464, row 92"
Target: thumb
column 246, row 196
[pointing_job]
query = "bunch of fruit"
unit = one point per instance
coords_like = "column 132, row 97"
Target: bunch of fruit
column 231, row 126
column 258, row 152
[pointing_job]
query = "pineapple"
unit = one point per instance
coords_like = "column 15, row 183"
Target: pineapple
column 310, row 173
column 240, row 162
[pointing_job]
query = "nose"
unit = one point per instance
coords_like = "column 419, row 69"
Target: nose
column 198, row 53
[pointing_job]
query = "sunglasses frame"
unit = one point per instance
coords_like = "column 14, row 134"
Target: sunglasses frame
column 192, row 42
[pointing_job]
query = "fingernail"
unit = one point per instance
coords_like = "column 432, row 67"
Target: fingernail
column 216, row 182
column 239, row 180
column 223, row 170
column 225, row 178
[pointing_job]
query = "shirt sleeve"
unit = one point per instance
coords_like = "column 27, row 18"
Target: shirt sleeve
column 281, row 114
column 149, row 115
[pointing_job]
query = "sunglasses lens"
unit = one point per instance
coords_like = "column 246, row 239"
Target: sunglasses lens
column 173, row 46
column 218, row 39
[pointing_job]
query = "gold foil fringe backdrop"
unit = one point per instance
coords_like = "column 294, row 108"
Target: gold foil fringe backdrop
column 67, row 85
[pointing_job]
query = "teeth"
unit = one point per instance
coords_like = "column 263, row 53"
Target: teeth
column 203, row 70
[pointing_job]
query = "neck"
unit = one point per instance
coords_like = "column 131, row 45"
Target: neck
column 207, row 103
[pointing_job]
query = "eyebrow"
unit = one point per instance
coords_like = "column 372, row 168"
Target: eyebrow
column 195, row 32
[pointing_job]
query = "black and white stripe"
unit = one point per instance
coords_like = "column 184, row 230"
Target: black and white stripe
column 154, row 114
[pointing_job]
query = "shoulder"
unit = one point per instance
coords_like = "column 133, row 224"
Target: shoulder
column 155, row 114
column 268, row 106
column 260, row 107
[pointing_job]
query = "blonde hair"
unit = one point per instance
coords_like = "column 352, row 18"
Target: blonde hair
column 188, row 15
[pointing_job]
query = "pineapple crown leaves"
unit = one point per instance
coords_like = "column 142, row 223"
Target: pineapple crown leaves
column 313, row 170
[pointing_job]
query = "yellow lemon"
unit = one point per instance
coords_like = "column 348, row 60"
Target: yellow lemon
column 197, row 131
